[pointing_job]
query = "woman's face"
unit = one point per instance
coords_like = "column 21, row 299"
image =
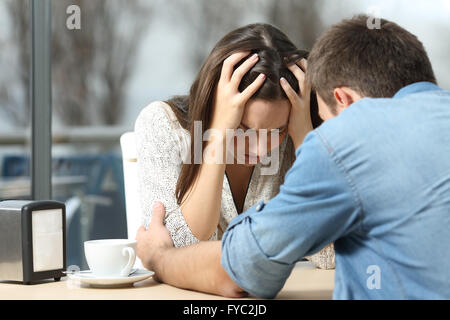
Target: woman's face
column 254, row 143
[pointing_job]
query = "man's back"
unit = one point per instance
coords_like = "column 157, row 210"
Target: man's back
column 397, row 154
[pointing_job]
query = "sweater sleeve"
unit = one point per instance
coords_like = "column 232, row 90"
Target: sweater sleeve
column 160, row 142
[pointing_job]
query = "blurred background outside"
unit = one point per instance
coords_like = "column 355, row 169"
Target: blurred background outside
column 130, row 53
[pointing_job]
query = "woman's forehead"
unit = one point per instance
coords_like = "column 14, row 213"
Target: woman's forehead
column 266, row 114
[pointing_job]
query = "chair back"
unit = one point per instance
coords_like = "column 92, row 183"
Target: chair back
column 131, row 182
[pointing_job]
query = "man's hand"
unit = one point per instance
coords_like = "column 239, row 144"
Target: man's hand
column 300, row 123
column 196, row 267
column 153, row 242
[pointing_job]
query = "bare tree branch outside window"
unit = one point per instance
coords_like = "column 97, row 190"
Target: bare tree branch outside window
column 210, row 20
column 300, row 20
column 14, row 89
column 91, row 67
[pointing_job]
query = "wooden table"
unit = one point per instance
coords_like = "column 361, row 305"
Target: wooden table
column 305, row 282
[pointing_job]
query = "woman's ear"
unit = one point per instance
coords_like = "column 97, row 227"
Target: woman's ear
column 344, row 97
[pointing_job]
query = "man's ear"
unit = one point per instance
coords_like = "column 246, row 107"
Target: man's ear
column 344, row 97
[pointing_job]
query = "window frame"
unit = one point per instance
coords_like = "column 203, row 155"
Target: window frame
column 41, row 99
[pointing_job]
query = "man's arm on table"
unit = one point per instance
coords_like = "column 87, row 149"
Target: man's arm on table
column 316, row 205
column 196, row 267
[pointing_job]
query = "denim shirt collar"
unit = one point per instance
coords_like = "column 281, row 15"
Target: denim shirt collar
column 415, row 88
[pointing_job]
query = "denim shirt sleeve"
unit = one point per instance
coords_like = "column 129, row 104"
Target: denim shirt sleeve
column 316, row 205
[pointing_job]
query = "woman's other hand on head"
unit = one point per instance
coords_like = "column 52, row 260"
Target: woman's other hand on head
column 300, row 116
column 229, row 103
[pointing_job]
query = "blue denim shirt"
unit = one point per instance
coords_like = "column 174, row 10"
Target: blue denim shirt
column 375, row 181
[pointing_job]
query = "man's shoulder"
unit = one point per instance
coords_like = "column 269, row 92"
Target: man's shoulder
column 363, row 118
column 372, row 114
column 372, row 126
column 358, row 127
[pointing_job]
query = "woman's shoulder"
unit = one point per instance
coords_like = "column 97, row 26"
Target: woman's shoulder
column 157, row 127
column 157, row 115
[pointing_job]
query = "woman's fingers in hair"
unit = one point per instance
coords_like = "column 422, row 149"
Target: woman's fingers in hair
column 303, row 64
column 251, row 89
column 301, row 77
column 245, row 67
column 230, row 62
column 291, row 94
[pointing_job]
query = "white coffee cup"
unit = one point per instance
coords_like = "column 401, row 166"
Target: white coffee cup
column 110, row 257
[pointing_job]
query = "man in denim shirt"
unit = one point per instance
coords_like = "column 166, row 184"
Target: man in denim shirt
column 375, row 181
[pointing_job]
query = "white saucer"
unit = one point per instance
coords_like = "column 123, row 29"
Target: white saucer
column 110, row 282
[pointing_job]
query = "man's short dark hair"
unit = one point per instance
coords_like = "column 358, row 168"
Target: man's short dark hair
column 373, row 62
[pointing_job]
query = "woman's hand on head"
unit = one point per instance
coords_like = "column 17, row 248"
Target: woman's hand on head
column 229, row 103
column 300, row 123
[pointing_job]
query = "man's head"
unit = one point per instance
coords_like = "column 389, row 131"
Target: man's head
column 350, row 61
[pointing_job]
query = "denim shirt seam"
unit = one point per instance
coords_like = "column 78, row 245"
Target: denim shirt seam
column 356, row 196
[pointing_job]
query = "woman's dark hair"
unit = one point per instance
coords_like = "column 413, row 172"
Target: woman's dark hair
column 275, row 53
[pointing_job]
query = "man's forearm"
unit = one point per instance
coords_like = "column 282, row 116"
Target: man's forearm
column 196, row 267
